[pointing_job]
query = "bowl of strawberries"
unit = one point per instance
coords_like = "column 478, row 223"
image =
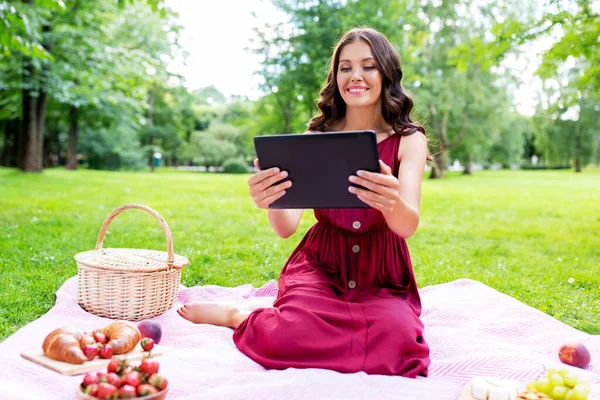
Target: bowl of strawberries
column 123, row 380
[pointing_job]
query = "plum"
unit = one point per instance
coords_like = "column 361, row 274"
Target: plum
column 150, row 329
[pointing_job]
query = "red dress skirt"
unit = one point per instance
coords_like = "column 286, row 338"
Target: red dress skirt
column 348, row 300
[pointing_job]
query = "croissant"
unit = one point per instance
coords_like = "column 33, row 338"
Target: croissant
column 123, row 336
column 63, row 344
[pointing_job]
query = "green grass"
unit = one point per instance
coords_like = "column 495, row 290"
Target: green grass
column 524, row 233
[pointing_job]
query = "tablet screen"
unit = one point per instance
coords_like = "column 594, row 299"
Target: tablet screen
column 319, row 165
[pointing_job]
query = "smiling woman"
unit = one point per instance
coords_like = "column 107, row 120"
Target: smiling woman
column 348, row 298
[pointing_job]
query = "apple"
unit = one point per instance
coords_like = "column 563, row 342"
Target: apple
column 574, row 354
column 150, row 329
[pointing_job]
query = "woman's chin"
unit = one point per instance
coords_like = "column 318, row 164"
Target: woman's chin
column 359, row 101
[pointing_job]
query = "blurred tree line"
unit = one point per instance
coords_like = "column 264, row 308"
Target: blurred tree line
column 87, row 82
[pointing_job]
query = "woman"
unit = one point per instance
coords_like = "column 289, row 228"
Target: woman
column 348, row 300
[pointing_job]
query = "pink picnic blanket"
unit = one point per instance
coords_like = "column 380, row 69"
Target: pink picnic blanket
column 473, row 330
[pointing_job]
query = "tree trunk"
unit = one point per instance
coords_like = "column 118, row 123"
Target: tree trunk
column 438, row 165
column 34, row 115
column 49, row 143
column 578, row 150
column 32, row 156
column 468, row 169
column 73, row 132
column 440, row 157
column 9, row 155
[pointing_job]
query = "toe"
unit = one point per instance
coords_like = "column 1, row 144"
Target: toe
column 182, row 313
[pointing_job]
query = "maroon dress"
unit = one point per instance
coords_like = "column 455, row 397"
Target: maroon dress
column 348, row 300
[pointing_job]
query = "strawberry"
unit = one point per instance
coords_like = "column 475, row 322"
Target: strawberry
column 87, row 339
column 92, row 390
column 90, row 351
column 144, row 389
column 147, row 344
column 89, row 379
column 127, row 392
column 105, row 390
column 106, row 351
column 149, row 366
column 113, row 379
column 113, row 366
column 133, row 378
column 99, row 337
column 157, row 381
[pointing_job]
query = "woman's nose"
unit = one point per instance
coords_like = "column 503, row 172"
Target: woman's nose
column 356, row 76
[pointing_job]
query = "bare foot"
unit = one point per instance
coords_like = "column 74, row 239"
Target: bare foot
column 213, row 314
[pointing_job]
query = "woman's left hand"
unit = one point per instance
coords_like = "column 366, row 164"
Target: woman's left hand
column 383, row 188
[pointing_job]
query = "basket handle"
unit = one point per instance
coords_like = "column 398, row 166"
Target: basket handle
column 161, row 221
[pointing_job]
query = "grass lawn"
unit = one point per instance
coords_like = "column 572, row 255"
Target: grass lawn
column 534, row 235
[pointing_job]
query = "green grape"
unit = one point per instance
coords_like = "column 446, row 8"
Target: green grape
column 558, row 392
column 532, row 385
column 569, row 395
column 563, row 372
column 543, row 385
column 570, row 379
column 579, row 393
column 557, row 380
column 583, row 387
column 550, row 371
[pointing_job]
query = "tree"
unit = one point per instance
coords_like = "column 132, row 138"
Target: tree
column 77, row 64
column 447, row 65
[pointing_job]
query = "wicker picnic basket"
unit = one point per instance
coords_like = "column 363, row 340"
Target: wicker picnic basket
column 129, row 284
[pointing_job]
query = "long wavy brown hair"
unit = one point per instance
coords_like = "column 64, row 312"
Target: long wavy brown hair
column 396, row 105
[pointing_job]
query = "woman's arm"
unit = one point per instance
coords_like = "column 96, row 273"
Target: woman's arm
column 285, row 222
column 405, row 215
column 398, row 198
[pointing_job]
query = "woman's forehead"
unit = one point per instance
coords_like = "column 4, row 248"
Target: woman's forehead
column 356, row 51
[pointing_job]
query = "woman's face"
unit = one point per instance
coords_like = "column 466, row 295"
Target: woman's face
column 358, row 79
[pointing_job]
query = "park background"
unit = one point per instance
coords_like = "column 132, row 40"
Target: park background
column 109, row 102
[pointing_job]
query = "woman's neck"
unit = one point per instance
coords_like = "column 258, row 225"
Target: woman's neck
column 365, row 118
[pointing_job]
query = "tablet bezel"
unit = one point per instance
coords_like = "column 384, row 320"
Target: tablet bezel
column 339, row 153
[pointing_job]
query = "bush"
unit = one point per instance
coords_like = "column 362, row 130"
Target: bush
column 235, row 166
column 544, row 167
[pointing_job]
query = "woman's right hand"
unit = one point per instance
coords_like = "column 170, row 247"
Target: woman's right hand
column 261, row 189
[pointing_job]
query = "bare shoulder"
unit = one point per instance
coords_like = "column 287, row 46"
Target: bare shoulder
column 414, row 144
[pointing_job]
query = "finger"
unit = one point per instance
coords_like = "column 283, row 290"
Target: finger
column 270, row 191
column 377, row 177
column 376, row 182
column 372, row 196
column 256, row 164
column 270, row 186
column 385, row 169
column 263, row 179
column 266, row 202
column 376, row 205
column 372, row 186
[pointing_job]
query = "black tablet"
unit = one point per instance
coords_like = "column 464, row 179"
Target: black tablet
column 319, row 165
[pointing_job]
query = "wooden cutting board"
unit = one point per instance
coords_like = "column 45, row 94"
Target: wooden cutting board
column 38, row 357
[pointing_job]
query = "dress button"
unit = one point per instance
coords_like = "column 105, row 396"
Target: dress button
column 356, row 224
column 356, row 248
column 351, row 284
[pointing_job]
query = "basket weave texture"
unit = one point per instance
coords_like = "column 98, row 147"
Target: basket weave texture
column 129, row 284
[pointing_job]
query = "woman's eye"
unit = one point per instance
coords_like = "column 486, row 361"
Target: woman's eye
column 369, row 67
column 345, row 69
